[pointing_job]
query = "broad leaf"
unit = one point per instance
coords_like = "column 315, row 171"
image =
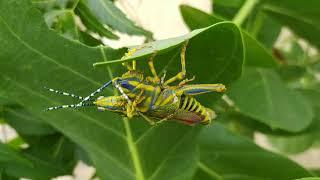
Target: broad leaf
column 266, row 29
column 256, row 54
column 291, row 72
column 26, row 123
column 51, row 156
column 92, row 23
column 67, row 26
column 292, row 144
column 224, row 155
column 301, row 17
column 10, row 155
column 107, row 13
column 227, row 9
column 261, row 95
column 22, row 164
column 34, row 56
column 313, row 97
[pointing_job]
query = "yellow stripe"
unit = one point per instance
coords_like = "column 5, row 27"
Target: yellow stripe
column 146, row 105
column 199, row 108
column 194, row 106
column 190, row 103
column 166, row 101
column 185, row 102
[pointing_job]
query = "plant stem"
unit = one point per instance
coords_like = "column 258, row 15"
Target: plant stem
column 133, row 150
column 244, row 11
column 75, row 5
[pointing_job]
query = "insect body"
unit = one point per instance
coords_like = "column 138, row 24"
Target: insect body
column 153, row 97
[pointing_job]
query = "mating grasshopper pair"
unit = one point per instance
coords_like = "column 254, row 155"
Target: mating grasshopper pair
column 151, row 96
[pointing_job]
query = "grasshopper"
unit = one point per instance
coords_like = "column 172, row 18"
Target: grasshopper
column 151, row 96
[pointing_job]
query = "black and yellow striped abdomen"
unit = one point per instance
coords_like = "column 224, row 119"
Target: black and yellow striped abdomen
column 188, row 104
column 171, row 104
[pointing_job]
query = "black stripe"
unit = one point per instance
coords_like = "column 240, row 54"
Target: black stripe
column 188, row 101
column 181, row 101
column 195, row 107
column 192, row 104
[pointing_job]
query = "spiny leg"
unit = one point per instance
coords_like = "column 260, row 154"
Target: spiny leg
column 63, row 93
column 181, row 75
column 185, row 81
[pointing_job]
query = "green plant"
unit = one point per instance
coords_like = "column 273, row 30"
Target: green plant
column 271, row 90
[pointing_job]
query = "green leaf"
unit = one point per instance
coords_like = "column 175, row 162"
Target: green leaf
column 51, row 16
column 313, row 96
column 224, row 155
column 36, row 163
column 296, row 54
column 16, row 142
column 49, row 5
column 309, row 178
column 66, row 25
column 10, row 155
column 40, row 169
column 301, row 17
column 51, row 156
column 256, row 54
column 107, row 13
column 261, row 95
column 87, row 39
column 25, row 122
column 291, row 72
column 266, row 29
column 33, row 57
column 92, row 23
column 292, row 144
column 228, row 8
column 4, row 176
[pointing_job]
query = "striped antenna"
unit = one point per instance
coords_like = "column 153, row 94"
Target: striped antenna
column 63, row 93
column 122, row 93
column 95, row 92
column 69, row 106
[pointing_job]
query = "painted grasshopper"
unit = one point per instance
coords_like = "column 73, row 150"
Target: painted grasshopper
column 152, row 97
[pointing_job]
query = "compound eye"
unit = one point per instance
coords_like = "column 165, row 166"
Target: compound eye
column 127, row 85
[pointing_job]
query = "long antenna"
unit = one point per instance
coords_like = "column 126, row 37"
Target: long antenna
column 63, row 93
column 95, row 92
column 69, row 106
column 122, row 92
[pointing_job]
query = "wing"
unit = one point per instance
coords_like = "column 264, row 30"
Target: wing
column 189, row 118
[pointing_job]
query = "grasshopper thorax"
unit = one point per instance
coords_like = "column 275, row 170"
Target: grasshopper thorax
column 128, row 81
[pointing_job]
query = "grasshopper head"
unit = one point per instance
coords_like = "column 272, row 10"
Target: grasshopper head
column 111, row 103
column 128, row 81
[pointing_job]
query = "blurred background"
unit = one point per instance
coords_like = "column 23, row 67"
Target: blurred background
column 163, row 18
